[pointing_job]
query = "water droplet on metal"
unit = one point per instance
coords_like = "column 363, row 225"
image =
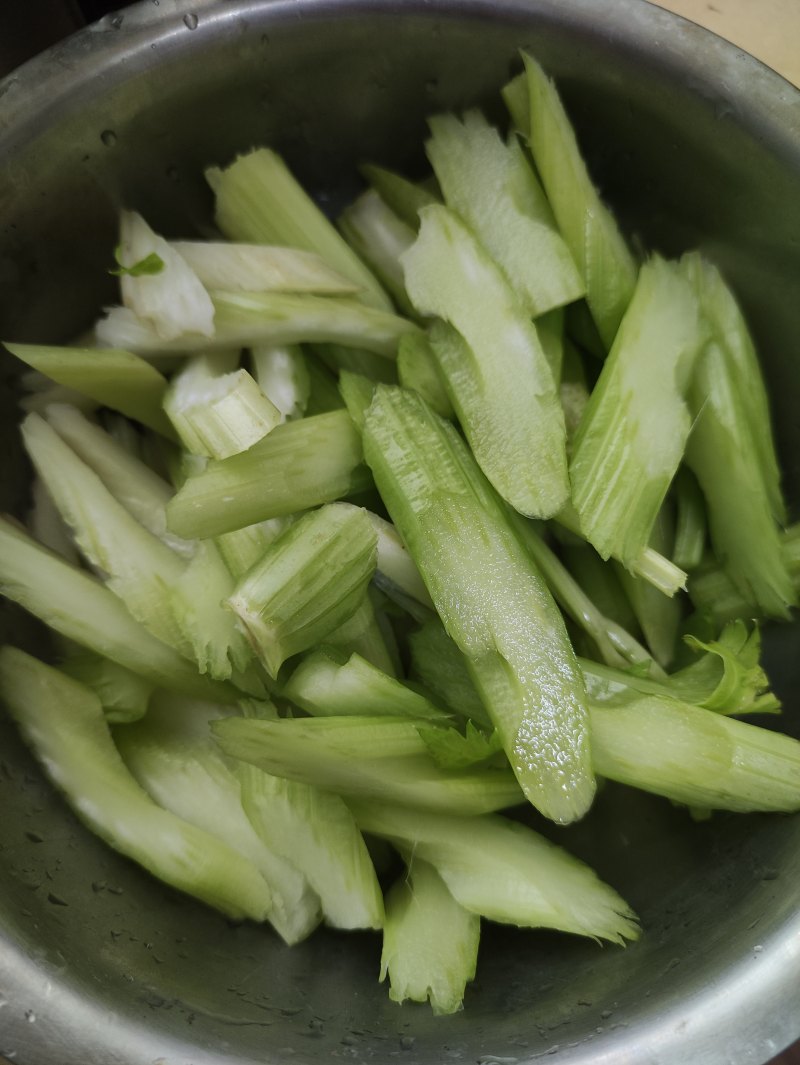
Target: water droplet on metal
column 190, row 21
column 117, row 21
column 108, row 137
column 758, row 949
column 30, row 1016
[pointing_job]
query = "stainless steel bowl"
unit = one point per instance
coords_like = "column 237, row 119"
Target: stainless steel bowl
column 694, row 143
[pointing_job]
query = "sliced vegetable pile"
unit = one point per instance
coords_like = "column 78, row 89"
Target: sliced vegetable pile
column 372, row 533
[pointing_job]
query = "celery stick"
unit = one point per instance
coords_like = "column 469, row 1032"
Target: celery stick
column 416, row 368
column 396, row 568
column 356, row 391
column 550, row 327
column 364, row 635
column 501, row 615
column 378, row 758
column 691, row 525
column 63, row 723
column 262, row 268
column 508, row 407
column 600, row 582
column 635, row 428
column 80, row 608
column 492, row 187
column 406, row 198
column 242, row 548
column 695, row 756
column 505, row 871
column 48, row 527
column 309, row 581
column 379, row 237
column 573, row 389
column 173, row 299
column 218, row 413
column 282, row 376
column 298, row 465
column 259, row 200
column 114, row 378
column 327, row 684
column 123, row 695
column 442, row 668
column 515, row 97
column 173, row 757
column 588, row 227
column 430, row 942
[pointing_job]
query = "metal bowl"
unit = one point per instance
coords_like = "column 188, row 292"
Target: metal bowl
column 694, row 143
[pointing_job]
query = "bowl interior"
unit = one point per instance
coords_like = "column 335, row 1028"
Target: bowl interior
column 694, row 144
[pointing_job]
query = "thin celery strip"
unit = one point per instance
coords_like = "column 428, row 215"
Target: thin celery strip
column 262, row 268
column 356, row 391
column 508, row 408
column 505, row 871
column 492, row 187
column 300, row 464
column 258, row 199
column 63, row 722
column 430, row 942
column 691, row 525
column 416, row 368
column 396, row 569
column 515, row 97
column 442, row 668
column 366, row 635
column 600, row 582
column 242, row 548
column 550, row 327
column 282, row 376
column 48, row 527
column 113, row 378
column 379, row 237
column 592, row 235
column 406, row 198
column 123, row 695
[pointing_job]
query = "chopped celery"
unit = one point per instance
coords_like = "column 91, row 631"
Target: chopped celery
column 491, row 186
column 416, row 368
column 367, row 635
column 600, row 582
column 515, row 97
column 443, row 669
column 396, row 569
column 550, row 328
column 242, row 548
column 262, row 268
column 258, row 199
column 379, row 237
column 505, row 871
column 282, row 376
column 124, row 695
column 634, row 431
column 309, row 581
column 114, row 378
column 48, row 527
column 601, row 255
column 508, row 407
column 430, row 942
column 690, row 521
column 406, row 198
column 356, row 391
column 298, row 465
column 490, row 597
column 63, row 722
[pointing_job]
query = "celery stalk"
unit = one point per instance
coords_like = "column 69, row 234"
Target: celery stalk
column 262, row 268
column 123, row 695
column 282, row 376
column 691, row 525
column 379, row 237
column 367, row 635
column 442, row 668
column 416, row 368
column 406, row 198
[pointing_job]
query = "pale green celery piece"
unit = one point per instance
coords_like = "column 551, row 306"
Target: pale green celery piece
column 282, row 376
column 173, row 756
column 491, row 186
column 63, row 723
column 396, row 567
column 713, row 592
column 550, row 327
column 505, row 871
column 376, row 758
column 218, row 412
column 364, row 635
column 573, row 389
column 327, row 684
column 489, row 595
column 515, row 97
column 135, row 564
column 723, row 453
column 260, row 201
column 39, row 391
column 588, row 227
column 635, row 429
column 308, row 582
column 111, row 377
column 691, row 524
column 451, row 749
column 508, row 408
column 439, row 664
column 406, row 198
column 242, row 548
column 130, row 480
column 123, row 695
column 600, row 582
column 430, row 942
column 379, row 236
column 172, row 300
column 82, row 609
column 340, row 358
column 695, row 756
column 357, row 391
column 262, row 268
column 48, row 527
column 300, row 464
column 416, row 368
column 728, row 676
column 731, row 333
column 324, row 393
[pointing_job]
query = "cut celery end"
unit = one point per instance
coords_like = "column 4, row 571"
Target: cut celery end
column 416, row 369
column 379, row 237
column 184, row 771
column 406, row 198
column 505, row 871
column 442, row 668
column 635, row 428
column 326, row 685
column 80, row 608
column 300, row 464
column 262, row 268
column 63, row 722
column 309, row 581
column 492, row 187
column 588, row 227
column 113, row 378
column 123, row 695
column 695, row 756
column 430, row 942
column 282, row 376
column 259, row 200
column 515, row 97
column 509, row 409
column 375, row 758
